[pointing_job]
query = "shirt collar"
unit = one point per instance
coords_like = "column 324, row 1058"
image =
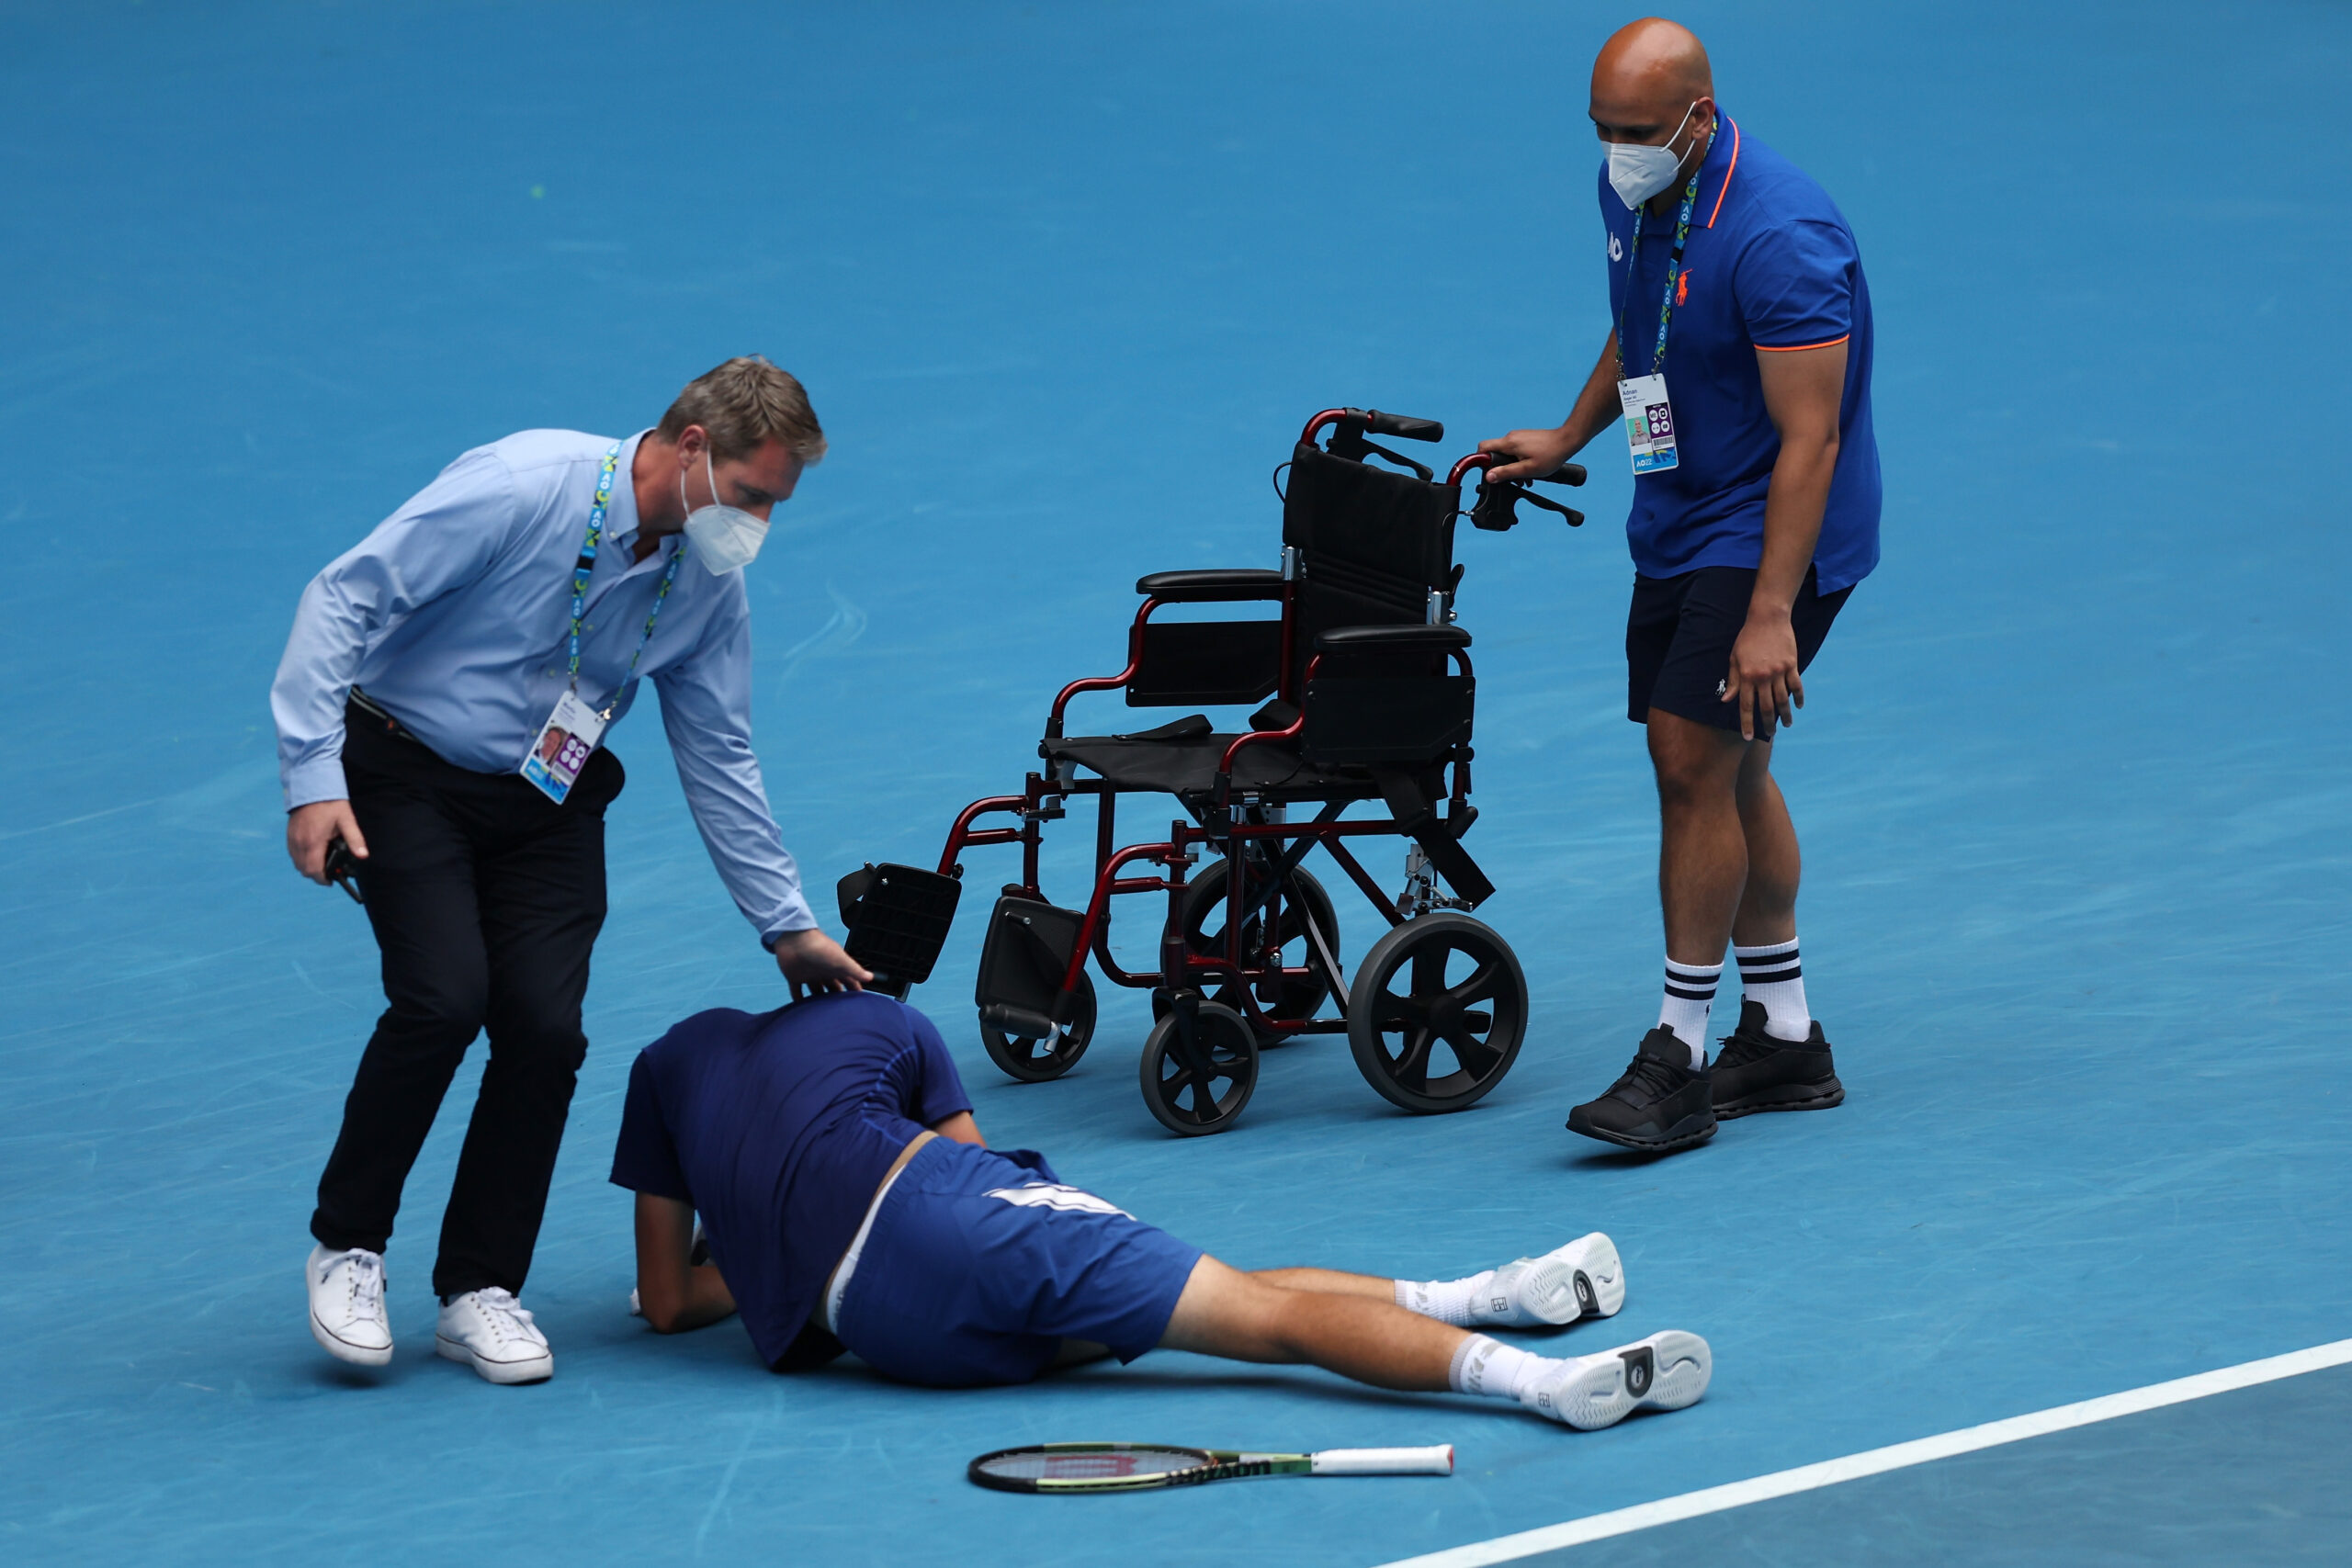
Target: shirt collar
column 1722, row 164
column 621, row 514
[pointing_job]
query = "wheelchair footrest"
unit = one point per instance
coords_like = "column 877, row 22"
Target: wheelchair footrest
column 899, row 917
column 1022, row 961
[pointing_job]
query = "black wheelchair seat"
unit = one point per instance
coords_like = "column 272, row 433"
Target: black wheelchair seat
column 1185, row 765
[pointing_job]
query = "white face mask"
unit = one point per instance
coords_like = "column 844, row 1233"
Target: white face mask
column 725, row 537
column 1637, row 172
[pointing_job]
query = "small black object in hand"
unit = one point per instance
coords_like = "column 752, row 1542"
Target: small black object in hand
column 343, row 870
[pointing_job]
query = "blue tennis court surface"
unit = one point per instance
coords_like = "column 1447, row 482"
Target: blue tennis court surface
column 1063, row 281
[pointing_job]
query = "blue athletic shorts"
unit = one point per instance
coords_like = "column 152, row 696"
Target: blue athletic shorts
column 981, row 1264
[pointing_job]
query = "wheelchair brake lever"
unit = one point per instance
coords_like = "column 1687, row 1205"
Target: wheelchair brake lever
column 1496, row 509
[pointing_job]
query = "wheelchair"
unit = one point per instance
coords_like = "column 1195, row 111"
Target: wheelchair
column 1367, row 689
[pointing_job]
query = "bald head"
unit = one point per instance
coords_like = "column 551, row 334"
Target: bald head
column 1646, row 83
column 1654, row 57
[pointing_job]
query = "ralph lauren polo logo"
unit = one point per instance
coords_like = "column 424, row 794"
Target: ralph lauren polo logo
column 1682, row 287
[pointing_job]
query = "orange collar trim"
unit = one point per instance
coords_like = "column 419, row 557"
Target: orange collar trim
column 1727, row 173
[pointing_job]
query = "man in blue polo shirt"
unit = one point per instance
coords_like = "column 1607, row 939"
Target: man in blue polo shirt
column 1739, row 376
column 850, row 1204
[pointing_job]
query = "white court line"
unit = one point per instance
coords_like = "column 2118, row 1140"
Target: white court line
column 1922, row 1451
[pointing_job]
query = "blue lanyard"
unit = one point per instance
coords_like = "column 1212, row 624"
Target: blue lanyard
column 1673, row 267
column 587, row 564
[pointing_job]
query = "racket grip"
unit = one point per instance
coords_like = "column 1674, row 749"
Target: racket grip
column 1438, row 1460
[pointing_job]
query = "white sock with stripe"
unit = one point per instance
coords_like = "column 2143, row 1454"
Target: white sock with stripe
column 1690, row 995
column 1482, row 1365
column 1448, row 1300
column 1772, row 975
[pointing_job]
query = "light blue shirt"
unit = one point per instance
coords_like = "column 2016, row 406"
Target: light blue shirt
column 453, row 615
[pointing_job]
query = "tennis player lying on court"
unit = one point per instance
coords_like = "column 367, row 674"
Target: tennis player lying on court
column 848, row 1202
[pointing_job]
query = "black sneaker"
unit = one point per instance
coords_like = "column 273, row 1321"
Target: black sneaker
column 1659, row 1106
column 1756, row 1072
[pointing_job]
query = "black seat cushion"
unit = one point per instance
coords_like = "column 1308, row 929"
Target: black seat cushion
column 1186, row 766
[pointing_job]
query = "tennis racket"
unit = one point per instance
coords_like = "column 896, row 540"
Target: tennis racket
column 1140, row 1467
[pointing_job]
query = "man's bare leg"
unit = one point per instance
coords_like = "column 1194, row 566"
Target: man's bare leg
column 1243, row 1318
column 1328, row 1281
column 1664, row 1100
column 1703, row 865
column 1768, row 903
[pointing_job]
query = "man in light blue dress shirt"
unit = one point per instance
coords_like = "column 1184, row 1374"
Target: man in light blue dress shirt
column 549, row 570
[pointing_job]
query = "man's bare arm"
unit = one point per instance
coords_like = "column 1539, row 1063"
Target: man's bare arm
column 1541, row 451
column 673, row 1294
column 1804, row 389
column 960, row 1129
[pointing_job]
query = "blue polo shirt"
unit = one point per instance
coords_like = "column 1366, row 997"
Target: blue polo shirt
column 1771, row 264
column 778, row 1127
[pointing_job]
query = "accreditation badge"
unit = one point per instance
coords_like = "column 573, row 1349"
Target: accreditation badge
column 1649, row 423
column 566, row 743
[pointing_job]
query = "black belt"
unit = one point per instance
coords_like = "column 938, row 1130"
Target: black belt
column 378, row 719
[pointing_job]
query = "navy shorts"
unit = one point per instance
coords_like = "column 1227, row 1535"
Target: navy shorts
column 1679, row 635
column 980, row 1265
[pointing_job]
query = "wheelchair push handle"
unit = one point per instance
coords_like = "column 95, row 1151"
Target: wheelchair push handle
column 1403, row 426
column 1494, row 509
column 1566, row 474
column 1356, row 424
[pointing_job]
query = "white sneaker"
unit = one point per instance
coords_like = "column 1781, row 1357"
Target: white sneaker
column 1665, row 1371
column 493, row 1332
column 347, row 1305
column 1584, row 1278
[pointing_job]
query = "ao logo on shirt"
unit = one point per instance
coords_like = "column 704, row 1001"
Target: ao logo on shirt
column 1044, row 1195
column 1616, row 249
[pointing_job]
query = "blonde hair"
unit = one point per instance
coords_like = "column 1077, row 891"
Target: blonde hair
column 744, row 403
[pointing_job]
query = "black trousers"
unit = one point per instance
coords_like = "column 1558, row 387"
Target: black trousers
column 486, row 898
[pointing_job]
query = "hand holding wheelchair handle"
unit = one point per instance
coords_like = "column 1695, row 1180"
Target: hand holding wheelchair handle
column 1525, row 455
column 1496, row 507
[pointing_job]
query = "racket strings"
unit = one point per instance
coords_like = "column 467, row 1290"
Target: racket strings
column 1101, row 1466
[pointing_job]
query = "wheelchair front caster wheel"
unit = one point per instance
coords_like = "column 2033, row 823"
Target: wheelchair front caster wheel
column 1200, row 1085
column 1032, row 1061
column 1437, row 1012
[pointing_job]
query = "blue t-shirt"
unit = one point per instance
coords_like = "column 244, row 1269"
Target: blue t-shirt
column 1771, row 264
column 777, row 1127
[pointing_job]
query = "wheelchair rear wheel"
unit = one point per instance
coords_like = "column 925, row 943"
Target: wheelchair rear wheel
column 1303, row 901
column 1023, row 1058
column 1437, row 1012
column 1200, row 1086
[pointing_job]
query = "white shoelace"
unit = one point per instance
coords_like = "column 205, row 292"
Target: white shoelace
column 503, row 1313
column 365, row 1283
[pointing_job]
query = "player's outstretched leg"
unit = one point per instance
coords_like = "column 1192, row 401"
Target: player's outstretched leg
column 1584, row 1278
column 1345, row 1329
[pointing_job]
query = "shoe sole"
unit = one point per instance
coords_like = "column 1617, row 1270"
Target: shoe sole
column 1584, row 1278
column 344, row 1350
column 1665, row 1371
column 1687, row 1133
column 1815, row 1096
column 537, row 1368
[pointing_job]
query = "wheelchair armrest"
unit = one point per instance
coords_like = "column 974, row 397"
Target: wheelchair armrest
column 1214, row 585
column 1340, row 639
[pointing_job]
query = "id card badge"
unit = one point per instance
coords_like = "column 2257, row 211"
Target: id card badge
column 1649, row 423
column 566, row 743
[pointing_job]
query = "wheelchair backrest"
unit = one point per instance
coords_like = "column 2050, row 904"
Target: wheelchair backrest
column 1372, row 546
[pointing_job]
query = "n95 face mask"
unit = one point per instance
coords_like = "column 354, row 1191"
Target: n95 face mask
column 1637, row 172
column 725, row 538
